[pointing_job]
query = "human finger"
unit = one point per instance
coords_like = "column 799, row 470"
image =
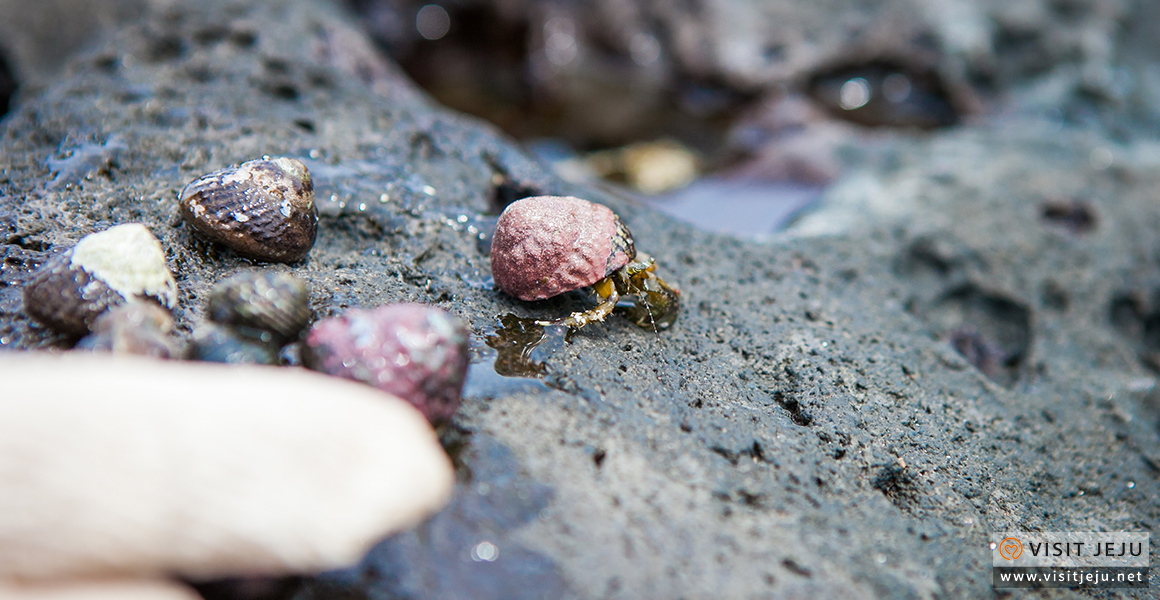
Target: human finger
column 114, row 465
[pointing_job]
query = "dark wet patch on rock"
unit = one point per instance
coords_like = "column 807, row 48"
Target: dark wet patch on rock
column 1074, row 216
column 885, row 94
column 471, row 549
column 8, row 85
column 1136, row 315
column 991, row 331
column 85, row 160
column 898, row 485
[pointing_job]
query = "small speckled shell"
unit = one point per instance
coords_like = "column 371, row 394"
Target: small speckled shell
column 416, row 352
column 104, row 269
column 548, row 245
column 263, row 209
column 271, row 302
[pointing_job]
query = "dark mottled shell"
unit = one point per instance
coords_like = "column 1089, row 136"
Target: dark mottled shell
column 215, row 343
column 276, row 303
column 416, row 352
column 547, row 245
column 263, row 209
column 66, row 299
column 104, row 269
column 140, row 328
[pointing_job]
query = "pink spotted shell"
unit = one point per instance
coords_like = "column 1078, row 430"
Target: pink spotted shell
column 413, row 351
column 548, row 245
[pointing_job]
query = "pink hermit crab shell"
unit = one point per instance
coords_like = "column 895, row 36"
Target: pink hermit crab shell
column 547, row 245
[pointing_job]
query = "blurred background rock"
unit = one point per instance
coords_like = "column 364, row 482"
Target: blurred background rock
column 764, row 89
column 711, row 73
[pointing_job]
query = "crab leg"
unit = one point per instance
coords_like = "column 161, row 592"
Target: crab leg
column 606, row 290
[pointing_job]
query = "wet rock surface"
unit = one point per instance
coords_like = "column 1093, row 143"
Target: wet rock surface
column 945, row 348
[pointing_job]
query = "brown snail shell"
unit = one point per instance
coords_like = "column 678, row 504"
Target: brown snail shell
column 263, row 209
column 547, row 245
column 274, row 303
column 104, row 269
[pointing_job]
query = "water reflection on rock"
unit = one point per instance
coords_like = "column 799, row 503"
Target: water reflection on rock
column 467, row 551
column 515, row 343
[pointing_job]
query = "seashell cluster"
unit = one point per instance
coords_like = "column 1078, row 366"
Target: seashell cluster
column 263, row 209
column 252, row 316
column 416, row 352
column 141, row 328
column 103, row 270
column 547, row 245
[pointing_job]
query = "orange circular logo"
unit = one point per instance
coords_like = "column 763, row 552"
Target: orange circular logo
column 1010, row 548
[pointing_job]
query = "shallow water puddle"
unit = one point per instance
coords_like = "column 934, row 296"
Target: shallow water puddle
column 511, row 358
column 470, row 549
column 749, row 209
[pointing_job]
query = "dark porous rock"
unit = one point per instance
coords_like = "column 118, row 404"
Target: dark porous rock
column 848, row 410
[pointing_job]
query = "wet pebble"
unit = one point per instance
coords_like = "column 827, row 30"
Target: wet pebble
column 654, row 167
column 416, row 352
column 104, row 269
column 263, row 209
column 141, row 328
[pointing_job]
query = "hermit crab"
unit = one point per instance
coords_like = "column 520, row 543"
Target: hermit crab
column 545, row 246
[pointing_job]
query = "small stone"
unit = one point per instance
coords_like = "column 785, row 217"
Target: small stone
column 263, row 209
column 141, row 328
column 104, row 269
column 261, row 301
column 416, row 352
column 547, row 245
column 654, row 167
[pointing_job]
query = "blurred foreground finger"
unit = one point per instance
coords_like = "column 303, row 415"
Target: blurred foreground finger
column 97, row 590
column 113, row 465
